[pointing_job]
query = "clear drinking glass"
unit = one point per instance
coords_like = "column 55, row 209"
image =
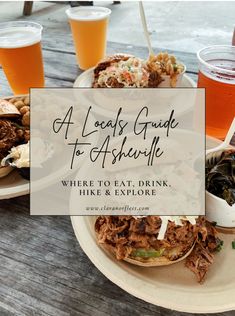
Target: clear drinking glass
column 217, row 75
column 21, row 55
column 89, row 28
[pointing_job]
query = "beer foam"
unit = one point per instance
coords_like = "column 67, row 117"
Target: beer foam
column 20, row 36
column 88, row 13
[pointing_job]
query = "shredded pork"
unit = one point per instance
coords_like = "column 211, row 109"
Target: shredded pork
column 8, row 137
column 202, row 256
column 125, row 234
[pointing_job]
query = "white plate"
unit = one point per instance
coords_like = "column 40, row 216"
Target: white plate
column 13, row 184
column 217, row 209
column 172, row 287
column 85, row 81
column 86, row 78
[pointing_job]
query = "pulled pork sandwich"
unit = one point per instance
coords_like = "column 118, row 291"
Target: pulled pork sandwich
column 160, row 240
column 119, row 71
column 14, row 128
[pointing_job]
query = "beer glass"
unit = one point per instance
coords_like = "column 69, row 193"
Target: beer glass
column 89, row 28
column 217, row 75
column 21, row 55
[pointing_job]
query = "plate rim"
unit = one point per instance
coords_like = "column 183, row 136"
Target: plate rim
column 80, row 226
column 20, row 191
column 80, row 221
column 88, row 71
column 87, row 74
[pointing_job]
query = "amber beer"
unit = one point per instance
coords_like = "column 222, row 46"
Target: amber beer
column 21, row 55
column 217, row 76
column 89, row 27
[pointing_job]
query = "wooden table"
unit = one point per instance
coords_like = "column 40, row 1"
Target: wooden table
column 43, row 270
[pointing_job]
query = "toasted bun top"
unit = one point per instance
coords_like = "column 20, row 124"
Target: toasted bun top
column 8, row 109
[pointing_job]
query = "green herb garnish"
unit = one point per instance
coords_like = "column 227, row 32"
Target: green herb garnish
column 18, row 126
column 219, row 245
column 175, row 67
column 233, row 244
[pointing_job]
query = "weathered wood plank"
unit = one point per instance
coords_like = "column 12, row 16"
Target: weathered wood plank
column 52, row 41
column 5, row 89
column 67, row 69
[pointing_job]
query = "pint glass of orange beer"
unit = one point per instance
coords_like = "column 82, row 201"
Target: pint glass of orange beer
column 217, row 75
column 89, row 27
column 21, row 55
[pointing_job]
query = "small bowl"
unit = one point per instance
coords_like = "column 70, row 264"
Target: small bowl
column 219, row 211
column 167, row 80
